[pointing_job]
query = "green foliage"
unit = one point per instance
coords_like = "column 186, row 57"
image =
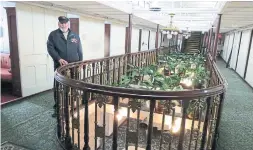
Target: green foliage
column 180, row 66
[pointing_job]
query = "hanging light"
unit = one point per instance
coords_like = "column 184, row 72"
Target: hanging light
column 171, row 28
column 169, row 36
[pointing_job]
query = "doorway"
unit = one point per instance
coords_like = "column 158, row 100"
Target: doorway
column 10, row 69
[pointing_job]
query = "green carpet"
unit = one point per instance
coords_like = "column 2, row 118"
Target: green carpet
column 29, row 122
column 236, row 127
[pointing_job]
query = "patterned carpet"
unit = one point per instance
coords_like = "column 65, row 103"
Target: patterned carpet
column 29, row 123
column 11, row 146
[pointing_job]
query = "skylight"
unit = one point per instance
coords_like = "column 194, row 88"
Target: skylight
column 197, row 15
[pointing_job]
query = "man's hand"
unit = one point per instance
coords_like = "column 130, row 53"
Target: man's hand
column 63, row 62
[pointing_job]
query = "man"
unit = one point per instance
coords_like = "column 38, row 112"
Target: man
column 64, row 46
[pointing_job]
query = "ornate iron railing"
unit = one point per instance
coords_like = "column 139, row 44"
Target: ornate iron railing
column 94, row 114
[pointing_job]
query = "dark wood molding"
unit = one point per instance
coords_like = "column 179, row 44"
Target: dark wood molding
column 126, row 41
column 148, row 38
column 247, row 60
column 161, row 41
column 210, row 38
column 140, row 37
column 238, row 51
column 74, row 25
column 107, row 40
column 129, row 33
column 14, row 52
column 156, row 37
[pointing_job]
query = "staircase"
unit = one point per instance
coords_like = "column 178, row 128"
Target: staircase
column 192, row 44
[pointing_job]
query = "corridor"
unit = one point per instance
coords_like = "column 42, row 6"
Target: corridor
column 236, row 127
column 29, row 124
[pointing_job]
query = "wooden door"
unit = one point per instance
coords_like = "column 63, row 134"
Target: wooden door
column 74, row 25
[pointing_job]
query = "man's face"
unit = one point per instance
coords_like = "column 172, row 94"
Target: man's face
column 63, row 26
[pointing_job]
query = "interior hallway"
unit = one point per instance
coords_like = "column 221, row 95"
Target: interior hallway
column 236, row 127
column 29, row 123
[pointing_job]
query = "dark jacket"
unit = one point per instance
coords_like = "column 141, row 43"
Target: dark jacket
column 60, row 48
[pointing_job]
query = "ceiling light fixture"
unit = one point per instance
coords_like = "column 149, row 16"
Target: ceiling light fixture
column 170, row 30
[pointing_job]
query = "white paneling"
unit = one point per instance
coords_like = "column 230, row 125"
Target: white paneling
column 144, row 40
column 92, row 38
column 243, row 52
column 225, row 47
column 249, row 74
column 117, row 42
column 152, row 40
column 230, row 44
column 4, row 38
column 36, row 67
column 135, row 40
column 159, row 39
column 235, row 50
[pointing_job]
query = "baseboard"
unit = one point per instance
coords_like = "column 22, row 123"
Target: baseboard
column 23, row 98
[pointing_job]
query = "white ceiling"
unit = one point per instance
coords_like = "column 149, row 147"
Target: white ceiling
column 97, row 9
column 197, row 15
column 236, row 15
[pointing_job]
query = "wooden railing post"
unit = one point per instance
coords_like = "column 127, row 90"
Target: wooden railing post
column 210, row 39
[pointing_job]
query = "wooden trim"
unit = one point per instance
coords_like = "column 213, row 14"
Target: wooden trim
column 210, row 39
column 148, row 38
column 247, row 60
column 156, row 36
column 129, row 33
column 14, row 52
column 74, row 25
column 161, row 41
column 107, row 40
column 126, row 41
column 238, row 51
column 140, row 36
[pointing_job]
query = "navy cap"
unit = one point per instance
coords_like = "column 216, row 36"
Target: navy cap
column 63, row 19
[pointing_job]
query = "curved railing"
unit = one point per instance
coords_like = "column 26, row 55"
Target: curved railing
column 94, row 114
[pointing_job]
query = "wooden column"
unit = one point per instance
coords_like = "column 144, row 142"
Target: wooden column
column 210, row 39
column 107, row 40
column 140, row 35
column 156, row 37
column 148, row 38
column 14, row 52
column 207, row 39
column 129, row 34
column 216, row 38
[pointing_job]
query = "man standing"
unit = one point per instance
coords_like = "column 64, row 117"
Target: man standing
column 64, row 46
